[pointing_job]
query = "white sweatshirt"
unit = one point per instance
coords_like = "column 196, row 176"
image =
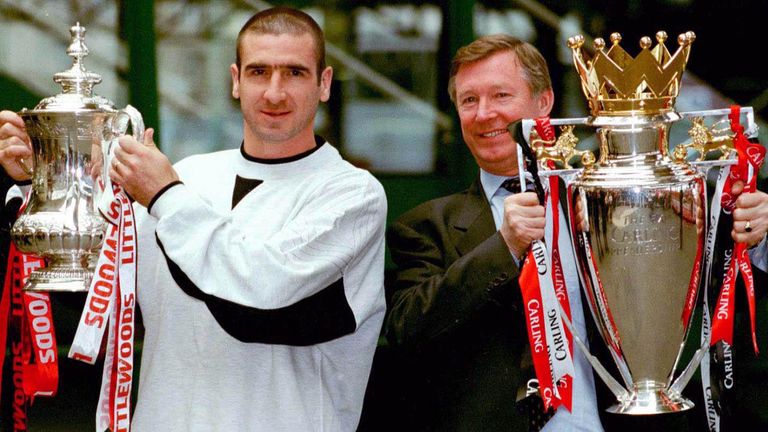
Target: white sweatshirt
column 263, row 316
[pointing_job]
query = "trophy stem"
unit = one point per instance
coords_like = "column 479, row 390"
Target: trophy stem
column 62, row 274
column 650, row 397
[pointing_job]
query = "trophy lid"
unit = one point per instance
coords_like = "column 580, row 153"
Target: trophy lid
column 620, row 86
column 77, row 82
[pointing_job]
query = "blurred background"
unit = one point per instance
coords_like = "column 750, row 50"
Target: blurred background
column 389, row 111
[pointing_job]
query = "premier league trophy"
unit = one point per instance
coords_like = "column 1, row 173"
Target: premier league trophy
column 61, row 222
column 637, row 215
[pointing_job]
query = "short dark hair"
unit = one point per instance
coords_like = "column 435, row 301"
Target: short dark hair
column 281, row 20
column 532, row 63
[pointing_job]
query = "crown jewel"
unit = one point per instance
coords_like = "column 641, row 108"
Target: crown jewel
column 615, row 83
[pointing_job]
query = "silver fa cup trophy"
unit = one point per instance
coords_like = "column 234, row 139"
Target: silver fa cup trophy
column 638, row 215
column 61, row 221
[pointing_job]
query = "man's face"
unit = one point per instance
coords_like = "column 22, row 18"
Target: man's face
column 490, row 94
column 278, row 88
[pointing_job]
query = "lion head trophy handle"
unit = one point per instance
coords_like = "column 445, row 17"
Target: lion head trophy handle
column 560, row 151
column 705, row 140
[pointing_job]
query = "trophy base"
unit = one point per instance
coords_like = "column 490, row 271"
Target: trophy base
column 61, row 276
column 649, row 401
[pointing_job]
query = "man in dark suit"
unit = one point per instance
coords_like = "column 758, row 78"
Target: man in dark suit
column 455, row 308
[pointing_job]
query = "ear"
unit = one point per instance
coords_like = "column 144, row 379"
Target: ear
column 325, row 84
column 235, row 72
column 544, row 102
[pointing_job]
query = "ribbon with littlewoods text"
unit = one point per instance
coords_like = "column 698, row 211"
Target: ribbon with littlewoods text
column 27, row 315
column 110, row 306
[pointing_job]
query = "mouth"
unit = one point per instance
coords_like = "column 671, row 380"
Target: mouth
column 275, row 114
column 494, row 133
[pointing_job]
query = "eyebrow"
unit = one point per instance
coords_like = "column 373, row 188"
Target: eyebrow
column 291, row 66
column 464, row 94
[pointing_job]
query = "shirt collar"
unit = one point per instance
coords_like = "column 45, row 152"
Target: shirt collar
column 490, row 183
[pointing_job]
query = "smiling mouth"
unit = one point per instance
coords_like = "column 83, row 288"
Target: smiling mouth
column 494, row 133
column 275, row 113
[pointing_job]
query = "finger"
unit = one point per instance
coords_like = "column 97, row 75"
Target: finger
column 741, row 226
column 15, row 152
column 129, row 144
column 9, row 131
column 751, row 199
column 745, row 214
column 748, row 238
column 149, row 135
column 523, row 199
column 119, row 154
column 737, row 236
column 531, row 212
column 533, row 234
column 527, row 228
column 15, row 141
column 12, row 118
column 737, row 187
column 520, row 199
column 115, row 176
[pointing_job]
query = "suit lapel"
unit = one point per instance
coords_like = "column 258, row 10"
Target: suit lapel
column 474, row 221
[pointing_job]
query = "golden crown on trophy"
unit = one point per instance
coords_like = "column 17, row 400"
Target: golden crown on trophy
column 615, row 83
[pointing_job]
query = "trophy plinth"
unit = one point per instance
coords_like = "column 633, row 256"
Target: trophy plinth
column 61, row 275
column 648, row 398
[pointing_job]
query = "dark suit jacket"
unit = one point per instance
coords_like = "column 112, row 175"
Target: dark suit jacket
column 455, row 311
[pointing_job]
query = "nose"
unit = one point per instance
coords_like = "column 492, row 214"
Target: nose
column 485, row 109
column 274, row 93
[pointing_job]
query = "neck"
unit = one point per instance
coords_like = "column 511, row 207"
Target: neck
column 504, row 170
column 260, row 148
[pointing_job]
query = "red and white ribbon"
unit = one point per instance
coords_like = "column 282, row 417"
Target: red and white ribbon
column 563, row 368
column 532, row 273
column 35, row 370
column 750, row 158
column 542, row 282
column 560, row 288
column 110, row 305
column 719, row 331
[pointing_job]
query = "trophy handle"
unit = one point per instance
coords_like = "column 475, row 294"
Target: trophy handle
column 681, row 381
column 115, row 128
column 123, row 117
column 617, row 389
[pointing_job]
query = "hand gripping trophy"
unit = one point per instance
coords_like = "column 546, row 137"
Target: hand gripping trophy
column 638, row 215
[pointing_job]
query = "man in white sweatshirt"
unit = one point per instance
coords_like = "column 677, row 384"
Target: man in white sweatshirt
column 260, row 270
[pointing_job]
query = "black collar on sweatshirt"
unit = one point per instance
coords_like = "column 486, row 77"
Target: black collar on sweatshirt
column 319, row 141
